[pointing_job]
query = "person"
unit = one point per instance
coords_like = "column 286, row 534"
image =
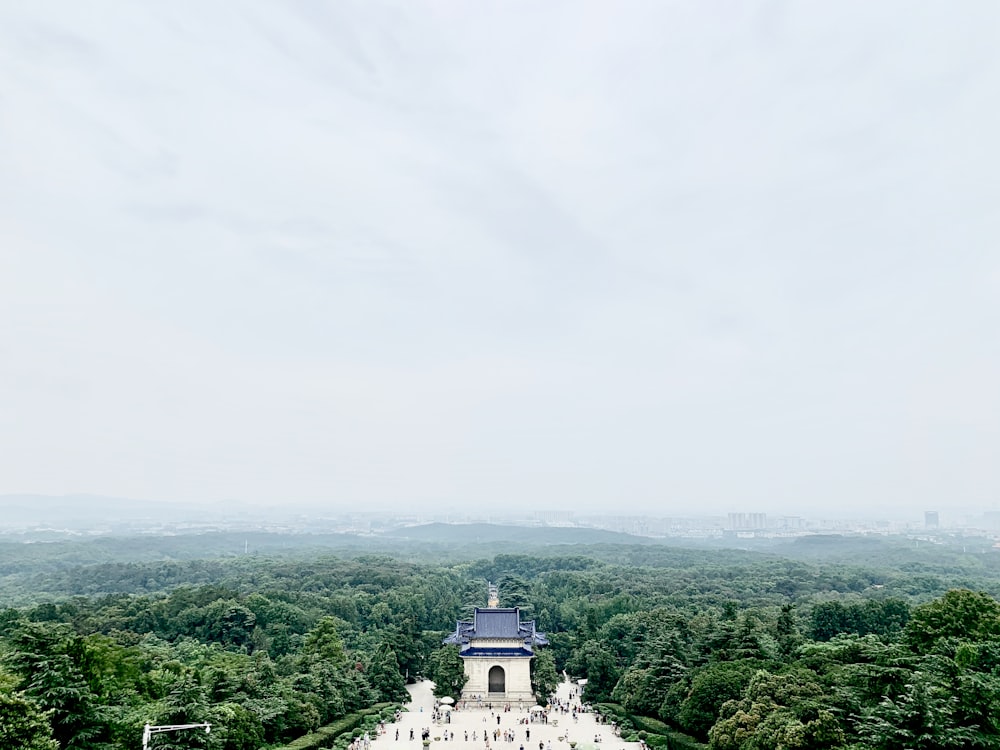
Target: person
column 397, row 734
column 411, row 733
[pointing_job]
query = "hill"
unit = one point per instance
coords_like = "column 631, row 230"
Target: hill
column 462, row 534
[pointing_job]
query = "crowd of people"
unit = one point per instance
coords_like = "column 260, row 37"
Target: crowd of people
column 515, row 725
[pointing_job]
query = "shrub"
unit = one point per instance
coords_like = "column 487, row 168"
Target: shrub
column 325, row 736
column 611, row 711
column 657, row 734
column 681, row 741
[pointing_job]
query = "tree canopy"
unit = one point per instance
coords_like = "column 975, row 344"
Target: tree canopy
column 737, row 650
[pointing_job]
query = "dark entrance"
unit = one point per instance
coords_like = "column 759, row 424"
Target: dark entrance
column 497, row 680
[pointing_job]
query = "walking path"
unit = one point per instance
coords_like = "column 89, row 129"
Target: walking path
column 469, row 723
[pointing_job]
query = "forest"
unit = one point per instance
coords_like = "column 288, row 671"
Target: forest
column 836, row 643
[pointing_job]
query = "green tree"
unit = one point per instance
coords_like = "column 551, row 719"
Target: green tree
column 646, row 690
column 515, row 592
column 447, row 670
column 711, row 687
column 787, row 711
column 544, row 677
column 595, row 661
column 238, row 727
column 185, row 703
column 786, row 631
column 47, row 657
column 228, row 622
column 921, row 717
column 384, row 677
column 323, row 642
column 23, row 724
column 882, row 617
column 960, row 613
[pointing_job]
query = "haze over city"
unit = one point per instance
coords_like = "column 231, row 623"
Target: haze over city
column 625, row 257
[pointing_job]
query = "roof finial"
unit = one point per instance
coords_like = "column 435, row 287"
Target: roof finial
column 493, row 599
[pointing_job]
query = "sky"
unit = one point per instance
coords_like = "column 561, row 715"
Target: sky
column 621, row 257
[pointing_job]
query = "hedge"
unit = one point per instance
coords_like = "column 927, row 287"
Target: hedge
column 324, row 736
column 653, row 726
column 659, row 734
column 611, row 710
column 680, row 741
column 655, row 733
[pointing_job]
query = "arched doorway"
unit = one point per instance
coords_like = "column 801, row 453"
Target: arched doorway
column 497, row 678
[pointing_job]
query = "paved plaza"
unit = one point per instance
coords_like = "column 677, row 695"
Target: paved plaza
column 555, row 735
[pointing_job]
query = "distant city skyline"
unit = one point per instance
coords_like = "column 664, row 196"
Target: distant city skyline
column 97, row 512
column 641, row 257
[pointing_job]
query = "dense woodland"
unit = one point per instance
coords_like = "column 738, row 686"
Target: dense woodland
column 735, row 649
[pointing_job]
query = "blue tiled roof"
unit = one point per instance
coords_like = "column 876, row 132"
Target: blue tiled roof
column 497, row 623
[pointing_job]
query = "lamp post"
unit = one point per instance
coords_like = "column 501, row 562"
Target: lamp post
column 150, row 730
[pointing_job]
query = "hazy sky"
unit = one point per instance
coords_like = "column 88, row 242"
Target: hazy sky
column 631, row 256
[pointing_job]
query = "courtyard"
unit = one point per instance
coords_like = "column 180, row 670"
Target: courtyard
column 473, row 727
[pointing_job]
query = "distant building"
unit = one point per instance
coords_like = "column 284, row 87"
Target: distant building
column 747, row 521
column 931, row 520
column 497, row 647
column 791, row 522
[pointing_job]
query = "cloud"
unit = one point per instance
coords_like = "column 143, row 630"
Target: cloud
column 561, row 254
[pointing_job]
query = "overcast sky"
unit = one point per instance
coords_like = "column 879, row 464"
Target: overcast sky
column 625, row 256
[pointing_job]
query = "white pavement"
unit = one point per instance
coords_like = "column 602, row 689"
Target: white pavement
column 560, row 730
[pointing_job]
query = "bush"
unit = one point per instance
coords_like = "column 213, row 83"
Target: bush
column 657, row 734
column 325, row 736
column 681, row 741
column 650, row 725
column 611, row 711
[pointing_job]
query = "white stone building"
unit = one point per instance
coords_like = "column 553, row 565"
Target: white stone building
column 496, row 647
